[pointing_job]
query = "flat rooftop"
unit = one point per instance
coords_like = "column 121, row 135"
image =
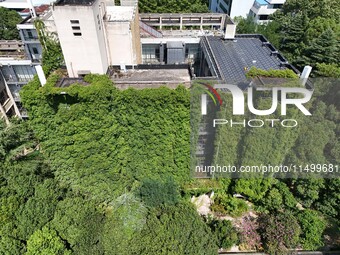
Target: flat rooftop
column 120, row 13
column 151, row 78
column 233, row 58
column 74, row 2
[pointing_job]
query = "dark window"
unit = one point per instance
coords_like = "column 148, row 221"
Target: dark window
column 277, row 6
column 263, row 17
column 29, row 33
column 76, row 28
column 223, row 8
column 73, row 21
column 35, row 50
column 77, row 34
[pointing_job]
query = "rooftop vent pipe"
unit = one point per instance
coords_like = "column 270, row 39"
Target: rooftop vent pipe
column 305, row 75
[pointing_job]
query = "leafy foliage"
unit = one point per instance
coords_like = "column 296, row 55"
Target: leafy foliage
column 46, row 241
column 279, row 232
column 176, row 230
column 8, row 24
column 226, row 234
column 312, row 227
column 230, row 205
column 249, row 237
column 173, row 6
column 287, row 73
column 157, row 192
column 307, row 32
column 110, row 150
column 52, row 56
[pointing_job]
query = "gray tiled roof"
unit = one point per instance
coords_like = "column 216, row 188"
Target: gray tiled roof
column 234, row 57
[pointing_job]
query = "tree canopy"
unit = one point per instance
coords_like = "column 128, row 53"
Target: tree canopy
column 8, row 24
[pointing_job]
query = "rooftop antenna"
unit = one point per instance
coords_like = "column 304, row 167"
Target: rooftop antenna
column 32, row 10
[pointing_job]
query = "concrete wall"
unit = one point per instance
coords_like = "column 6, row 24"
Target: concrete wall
column 88, row 52
column 120, row 43
column 124, row 42
column 136, row 42
column 240, row 8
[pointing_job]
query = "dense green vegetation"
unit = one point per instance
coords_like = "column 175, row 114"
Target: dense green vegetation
column 100, row 174
column 8, row 24
column 96, row 170
column 173, row 6
column 107, row 172
column 52, row 56
column 307, row 32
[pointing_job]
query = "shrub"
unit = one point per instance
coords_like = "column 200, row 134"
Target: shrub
column 225, row 233
column 279, row 232
column 230, row 205
column 312, row 226
column 249, row 237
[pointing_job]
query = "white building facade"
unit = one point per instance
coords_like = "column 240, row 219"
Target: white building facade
column 94, row 36
column 233, row 8
column 261, row 9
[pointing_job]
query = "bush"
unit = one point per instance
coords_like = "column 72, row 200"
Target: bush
column 227, row 204
column 279, row 232
column 312, row 226
column 286, row 73
column 156, row 192
column 249, row 236
column 225, row 233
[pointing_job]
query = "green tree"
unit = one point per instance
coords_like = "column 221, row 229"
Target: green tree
column 278, row 198
column 79, row 222
column 157, row 192
column 125, row 218
column 328, row 70
column 46, row 241
column 8, row 24
column 173, row 6
column 312, row 227
column 293, row 31
column 52, row 56
column 245, row 25
column 226, row 234
column 175, row 230
column 323, row 49
column 279, row 232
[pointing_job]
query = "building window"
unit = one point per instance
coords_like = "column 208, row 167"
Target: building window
column 73, row 21
column 151, row 54
column 29, row 33
column 76, row 28
column 223, row 8
column 277, row 6
column 263, row 17
column 77, row 34
column 35, row 50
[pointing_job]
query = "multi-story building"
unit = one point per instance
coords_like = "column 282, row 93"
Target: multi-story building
column 98, row 37
column 233, row 8
column 258, row 9
column 15, row 71
column 261, row 9
column 94, row 35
